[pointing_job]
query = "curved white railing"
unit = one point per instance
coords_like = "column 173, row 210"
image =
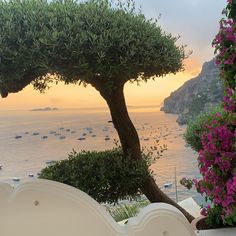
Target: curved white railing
column 47, row 208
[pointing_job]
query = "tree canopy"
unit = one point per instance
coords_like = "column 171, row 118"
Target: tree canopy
column 104, row 43
column 95, row 42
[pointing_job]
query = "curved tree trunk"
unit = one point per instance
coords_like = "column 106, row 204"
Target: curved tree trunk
column 130, row 142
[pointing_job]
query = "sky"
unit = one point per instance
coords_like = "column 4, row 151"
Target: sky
column 196, row 21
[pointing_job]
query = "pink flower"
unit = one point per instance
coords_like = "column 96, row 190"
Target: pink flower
column 230, row 60
column 227, row 201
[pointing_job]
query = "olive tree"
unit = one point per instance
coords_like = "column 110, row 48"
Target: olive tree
column 98, row 42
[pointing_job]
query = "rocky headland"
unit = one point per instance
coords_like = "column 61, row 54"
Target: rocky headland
column 196, row 95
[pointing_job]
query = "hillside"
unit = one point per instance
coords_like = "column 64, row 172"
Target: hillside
column 196, row 95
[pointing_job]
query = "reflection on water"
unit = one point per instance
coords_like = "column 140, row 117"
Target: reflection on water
column 29, row 139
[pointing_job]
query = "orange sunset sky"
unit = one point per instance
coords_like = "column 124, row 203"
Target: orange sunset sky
column 180, row 17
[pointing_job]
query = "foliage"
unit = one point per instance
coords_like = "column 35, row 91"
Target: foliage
column 225, row 45
column 213, row 216
column 217, row 163
column 124, row 211
column 198, row 127
column 217, row 150
column 96, row 41
column 106, row 175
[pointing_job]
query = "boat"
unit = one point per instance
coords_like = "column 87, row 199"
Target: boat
column 81, row 138
column 1, row 167
column 31, row 175
column 89, row 129
column 18, row 136
column 168, row 185
column 16, row 179
column 52, row 132
column 35, row 133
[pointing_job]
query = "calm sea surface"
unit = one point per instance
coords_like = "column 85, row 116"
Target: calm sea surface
column 29, row 154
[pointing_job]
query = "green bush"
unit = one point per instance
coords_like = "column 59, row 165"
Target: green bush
column 124, row 212
column 197, row 127
column 106, row 175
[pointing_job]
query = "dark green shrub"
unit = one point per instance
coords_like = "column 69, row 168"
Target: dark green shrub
column 106, row 175
column 197, row 127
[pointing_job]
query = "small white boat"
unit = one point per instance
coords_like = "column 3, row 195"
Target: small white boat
column 81, row 138
column 168, row 185
column 16, row 179
column 31, row 175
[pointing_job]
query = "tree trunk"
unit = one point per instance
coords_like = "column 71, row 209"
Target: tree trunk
column 130, row 143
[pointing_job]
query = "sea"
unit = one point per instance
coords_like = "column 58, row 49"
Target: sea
column 30, row 140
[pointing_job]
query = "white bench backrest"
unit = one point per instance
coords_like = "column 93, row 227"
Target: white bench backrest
column 47, row 208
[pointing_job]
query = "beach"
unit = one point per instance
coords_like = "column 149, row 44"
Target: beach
column 29, row 140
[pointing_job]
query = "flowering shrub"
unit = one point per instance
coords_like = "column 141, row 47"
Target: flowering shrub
column 229, row 100
column 217, row 156
column 198, row 126
column 224, row 44
column 217, row 163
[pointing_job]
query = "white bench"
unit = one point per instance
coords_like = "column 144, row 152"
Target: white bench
column 47, row 208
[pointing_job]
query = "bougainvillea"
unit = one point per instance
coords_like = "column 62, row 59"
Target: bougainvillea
column 217, row 157
column 217, row 163
column 224, row 44
column 229, row 100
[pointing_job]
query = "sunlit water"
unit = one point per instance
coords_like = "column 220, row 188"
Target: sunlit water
column 22, row 156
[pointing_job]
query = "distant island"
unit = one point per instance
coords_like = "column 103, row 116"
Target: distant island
column 46, row 109
column 196, row 95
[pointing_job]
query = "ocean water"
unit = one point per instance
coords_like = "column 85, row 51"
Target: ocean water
column 29, row 154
